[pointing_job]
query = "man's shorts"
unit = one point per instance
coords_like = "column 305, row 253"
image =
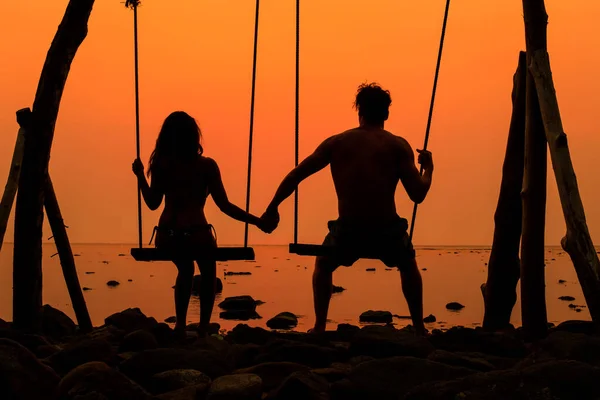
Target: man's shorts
column 387, row 240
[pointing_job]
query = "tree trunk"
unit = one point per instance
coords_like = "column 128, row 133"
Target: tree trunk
column 577, row 242
column 27, row 260
column 500, row 290
column 12, row 183
column 533, row 289
column 67, row 261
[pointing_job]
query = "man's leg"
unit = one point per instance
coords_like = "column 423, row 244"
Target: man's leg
column 412, row 287
column 322, row 290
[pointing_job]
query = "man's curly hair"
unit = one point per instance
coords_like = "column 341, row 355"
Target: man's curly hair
column 372, row 103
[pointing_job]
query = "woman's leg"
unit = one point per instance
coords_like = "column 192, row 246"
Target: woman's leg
column 208, row 286
column 183, row 291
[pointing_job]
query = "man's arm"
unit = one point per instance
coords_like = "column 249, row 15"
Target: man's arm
column 312, row 164
column 416, row 185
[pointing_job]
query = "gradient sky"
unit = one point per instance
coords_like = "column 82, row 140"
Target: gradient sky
column 197, row 57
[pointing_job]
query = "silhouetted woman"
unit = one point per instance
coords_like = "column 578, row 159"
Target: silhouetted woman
column 181, row 174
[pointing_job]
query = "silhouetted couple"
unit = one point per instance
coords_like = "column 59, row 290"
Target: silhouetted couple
column 367, row 162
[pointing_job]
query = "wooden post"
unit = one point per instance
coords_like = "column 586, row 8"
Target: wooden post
column 577, row 242
column 533, row 286
column 27, row 260
column 500, row 289
column 10, row 190
column 67, row 261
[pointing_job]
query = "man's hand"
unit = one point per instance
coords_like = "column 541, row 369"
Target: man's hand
column 138, row 168
column 425, row 159
column 269, row 221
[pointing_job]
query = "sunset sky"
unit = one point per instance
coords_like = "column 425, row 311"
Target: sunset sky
column 196, row 56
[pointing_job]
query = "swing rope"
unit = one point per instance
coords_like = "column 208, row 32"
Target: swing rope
column 134, row 4
column 251, row 136
column 297, row 117
column 435, row 81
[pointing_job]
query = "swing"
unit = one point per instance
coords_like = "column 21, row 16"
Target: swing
column 141, row 253
column 302, row 249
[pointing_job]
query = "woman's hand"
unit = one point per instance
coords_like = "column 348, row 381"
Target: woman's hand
column 138, row 168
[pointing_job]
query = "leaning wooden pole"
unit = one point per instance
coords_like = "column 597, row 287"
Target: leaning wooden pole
column 500, row 289
column 27, row 260
column 533, row 281
column 12, row 183
column 67, row 261
column 577, row 241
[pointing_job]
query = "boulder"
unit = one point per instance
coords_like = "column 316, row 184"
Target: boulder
column 382, row 317
column 99, row 379
column 384, row 341
column 236, row 387
column 142, row 366
column 137, row 341
column 244, row 334
column 56, row 324
column 548, row 380
column 284, row 320
column 23, row 376
column 187, row 393
column 130, row 320
column 390, row 378
column 297, row 352
column 175, row 379
column 304, row 385
column 273, row 373
column 238, row 303
column 478, row 340
column 461, row 360
column 429, row 319
column 572, row 346
column 82, row 352
column 454, row 306
column 239, row 315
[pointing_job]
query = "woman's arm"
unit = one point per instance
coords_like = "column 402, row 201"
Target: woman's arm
column 151, row 193
column 219, row 195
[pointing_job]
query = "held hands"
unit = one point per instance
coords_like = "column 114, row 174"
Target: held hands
column 269, row 221
column 425, row 159
column 138, row 168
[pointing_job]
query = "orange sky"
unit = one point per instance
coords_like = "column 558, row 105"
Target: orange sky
column 197, row 56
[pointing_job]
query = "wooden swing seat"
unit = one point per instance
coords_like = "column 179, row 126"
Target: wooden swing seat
column 218, row 254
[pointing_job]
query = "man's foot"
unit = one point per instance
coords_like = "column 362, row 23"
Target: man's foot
column 316, row 330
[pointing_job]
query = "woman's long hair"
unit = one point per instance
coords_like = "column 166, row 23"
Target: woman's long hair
column 178, row 142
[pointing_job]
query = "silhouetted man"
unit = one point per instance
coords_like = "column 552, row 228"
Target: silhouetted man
column 366, row 164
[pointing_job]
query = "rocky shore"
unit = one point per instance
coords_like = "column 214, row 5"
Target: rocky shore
column 134, row 357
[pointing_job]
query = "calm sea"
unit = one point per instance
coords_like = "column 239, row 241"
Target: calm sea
column 283, row 282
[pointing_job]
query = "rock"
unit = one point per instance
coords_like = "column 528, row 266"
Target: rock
column 384, row 317
column 187, row 393
column 347, row 327
column 4, row 324
column 85, row 289
column 478, row 340
column 98, row 378
column 429, row 319
column 112, row 283
column 297, row 352
column 383, row 341
column 130, row 320
column 163, row 333
column 303, row 385
column 138, row 341
column 243, row 355
column 171, row 320
column 89, row 272
column 82, row 352
column 561, row 281
column 446, row 357
column 575, row 326
column 142, row 366
column 454, row 306
column 56, row 324
column 566, row 298
column 22, row 376
column 390, row 378
column 335, row 373
column 370, row 269
column 273, row 373
column 230, row 273
column 30, row 342
column 354, row 361
column 239, row 315
column 236, row 387
column 572, row 346
column 175, row 379
column 196, row 285
column 338, row 289
column 238, row 303
column 110, row 333
column 284, row 320
column 549, row 380
column 244, row 334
